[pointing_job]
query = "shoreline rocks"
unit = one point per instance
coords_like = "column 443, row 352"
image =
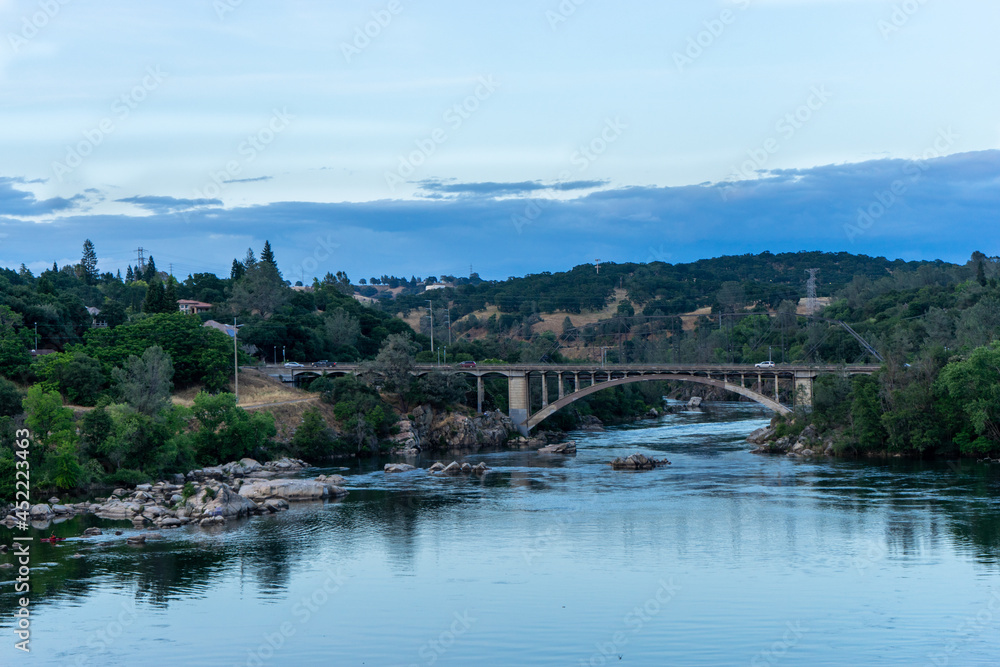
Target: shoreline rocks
column 806, row 445
column 231, row 491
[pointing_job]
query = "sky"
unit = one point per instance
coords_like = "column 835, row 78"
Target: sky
column 438, row 138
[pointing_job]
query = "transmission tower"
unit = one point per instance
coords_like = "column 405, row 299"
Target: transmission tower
column 141, row 261
column 812, row 304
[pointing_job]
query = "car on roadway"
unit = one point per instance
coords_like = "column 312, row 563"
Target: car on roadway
column 467, row 364
column 324, row 362
column 293, row 364
column 764, row 364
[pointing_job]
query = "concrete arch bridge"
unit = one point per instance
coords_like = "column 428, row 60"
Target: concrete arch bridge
column 561, row 385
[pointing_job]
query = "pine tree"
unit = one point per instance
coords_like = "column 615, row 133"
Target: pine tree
column 129, row 277
column 88, row 263
column 150, row 273
column 170, row 296
column 155, row 298
column 249, row 262
column 118, row 276
column 981, row 273
column 266, row 255
column 237, row 271
column 55, row 268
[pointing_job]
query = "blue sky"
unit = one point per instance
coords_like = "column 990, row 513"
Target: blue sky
column 421, row 138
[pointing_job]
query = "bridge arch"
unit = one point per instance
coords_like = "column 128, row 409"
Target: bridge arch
column 537, row 418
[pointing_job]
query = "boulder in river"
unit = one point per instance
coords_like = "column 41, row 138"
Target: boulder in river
column 568, row 447
column 638, row 462
column 398, row 467
column 290, row 489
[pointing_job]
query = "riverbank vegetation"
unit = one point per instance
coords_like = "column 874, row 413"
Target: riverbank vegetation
column 90, row 360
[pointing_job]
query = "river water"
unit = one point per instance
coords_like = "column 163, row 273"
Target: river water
column 723, row 558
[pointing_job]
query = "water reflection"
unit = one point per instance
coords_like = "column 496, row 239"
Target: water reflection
column 738, row 527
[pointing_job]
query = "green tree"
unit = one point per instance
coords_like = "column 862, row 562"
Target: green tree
column 46, row 417
column 10, row 399
column 227, row 432
column 972, row 386
column 313, row 440
column 393, row 367
column 88, row 263
column 145, row 382
column 76, row 375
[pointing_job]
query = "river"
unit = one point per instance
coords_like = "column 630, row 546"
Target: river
column 723, row 558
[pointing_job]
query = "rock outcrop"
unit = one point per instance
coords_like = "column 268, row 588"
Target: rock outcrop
column 456, row 468
column 806, row 445
column 451, row 431
column 211, row 496
column 568, row 447
column 638, row 462
column 399, row 467
column 290, row 490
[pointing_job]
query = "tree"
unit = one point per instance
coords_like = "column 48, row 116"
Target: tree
column 972, row 385
column 227, row 432
column 393, row 366
column 261, row 290
column 170, row 296
column 341, row 328
column 78, row 376
column 267, row 256
column 201, row 355
column 10, row 399
column 249, row 261
column 150, row 273
column 313, row 440
column 46, row 416
column 156, row 299
column 88, row 263
column 129, row 277
column 145, row 382
column 237, row 271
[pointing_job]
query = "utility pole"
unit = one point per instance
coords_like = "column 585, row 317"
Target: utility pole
column 236, row 361
column 448, row 310
column 36, row 336
column 275, row 355
column 430, row 309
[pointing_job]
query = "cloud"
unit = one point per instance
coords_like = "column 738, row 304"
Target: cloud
column 943, row 208
column 160, row 204
column 249, row 180
column 22, row 203
column 490, row 189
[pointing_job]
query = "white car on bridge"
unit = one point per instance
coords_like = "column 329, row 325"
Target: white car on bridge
column 764, row 364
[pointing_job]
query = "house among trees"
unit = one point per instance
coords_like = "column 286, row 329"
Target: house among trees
column 190, row 307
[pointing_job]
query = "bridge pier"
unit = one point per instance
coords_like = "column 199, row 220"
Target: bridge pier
column 479, row 394
column 804, row 388
column 518, row 400
column 562, row 385
column 545, row 389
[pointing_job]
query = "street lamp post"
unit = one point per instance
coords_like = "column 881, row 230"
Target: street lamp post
column 282, row 354
column 430, row 309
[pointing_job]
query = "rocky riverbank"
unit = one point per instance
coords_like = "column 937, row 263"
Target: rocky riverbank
column 425, row 429
column 207, row 496
column 807, row 444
